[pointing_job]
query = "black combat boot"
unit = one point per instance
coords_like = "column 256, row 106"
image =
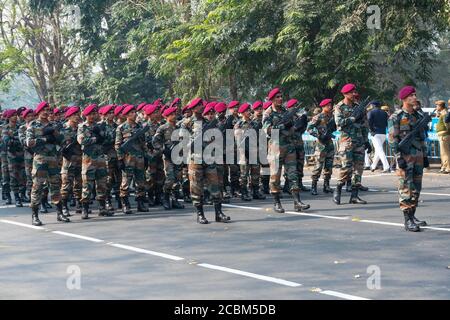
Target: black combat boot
column 35, row 216
column 167, row 204
column 257, row 195
column 337, row 194
column 326, row 186
column 151, row 197
column 18, row 200
column 299, row 206
column 417, row 221
column 43, row 207
column 277, row 203
column 314, row 188
column 244, row 194
column 60, row 216
column 126, row 208
column 354, row 198
column 109, row 206
column 102, row 211
column 174, row 201
column 23, row 196
column 348, row 186
column 141, row 205
column 65, row 208
column 200, row 214
column 302, row 187
column 410, row 225
column 85, row 214
column 220, row 216
column 79, row 207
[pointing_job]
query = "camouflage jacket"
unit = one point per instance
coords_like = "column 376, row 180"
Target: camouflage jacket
column 70, row 137
column 88, row 140
column 36, row 140
column 110, row 129
column 271, row 120
column 162, row 140
column 124, row 132
column 10, row 136
column 351, row 131
column 318, row 124
column 399, row 125
column 150, row 134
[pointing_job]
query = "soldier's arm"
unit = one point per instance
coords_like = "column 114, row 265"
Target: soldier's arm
column 31, row 140
column 84, row 138
column 267, row 125
column 312, row 127
column 118, row 143
column 341, row 120
column 394, row 134
column 158, row 139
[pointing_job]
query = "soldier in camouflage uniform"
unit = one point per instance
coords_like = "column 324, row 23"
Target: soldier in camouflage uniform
column 320, row 127
column 163, row 144
column 71, row 181
column 42, row 138
column 91, row 136
column 409, row 164
column 15, row 157
column 6, row 190
column 263, row 179
column 232, row 169
column 220, row 110
column 352, row 143
column 281, row 152
column 132, row 162
column 249, row 172
column 201, row 174
column 28, row 116
column 185, row 185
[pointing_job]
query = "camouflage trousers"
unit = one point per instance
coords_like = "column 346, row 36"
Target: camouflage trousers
column 16, row 168
column 93, row 172
column 5, row 172
column 231, row 174
column 324, row 156
column 134, row 171
column 114, row 177
column 203, row 176
column 154, row 173
column 221, row 176
column 28, row 168
column 71, row 180
column 410, row 180
column 46, row 173
column 173, row 175
column 300, row 150
column 250, row 174
column 279, row 157
column 352, row 158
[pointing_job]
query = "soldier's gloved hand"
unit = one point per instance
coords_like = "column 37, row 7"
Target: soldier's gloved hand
column 402, row 163
column 426, row 162
column 368, row 147
column 48, row 131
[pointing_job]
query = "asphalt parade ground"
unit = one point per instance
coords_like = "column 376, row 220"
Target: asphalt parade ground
column 329, row 252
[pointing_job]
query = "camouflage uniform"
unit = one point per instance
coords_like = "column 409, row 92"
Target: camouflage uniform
column 324, row 149
column 232, row 173
column 114, row 177
column 300, row 150
column 45, row 163
column 28, row 158
column 71, row 181
column 264, row 178
column 6, row 190
column 93, row 162
column 155, row 169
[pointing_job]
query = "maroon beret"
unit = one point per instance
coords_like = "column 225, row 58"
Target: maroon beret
column 405, row 92
column 209, row 107
column 195, row 103
column 211, row 104
column 57, row 111
column 127, row 109
column 26, row 112
column 104, row 110
column 233, row 104
column 71, row 111
column 140, row 106
column 118, row 110
column 256, row 105
column 185, row 108
column 89, row 109
column 266, row 105
column 325, row 102
column 291, row 103
column 157, row 102
column 169, row 111
column 273, row 93
column 244, row 107
column 20, row 110
column 220, row 107
column 348, row 88
column 10, row 113
column 41, row 106
column 150, row 108
column 175, row 101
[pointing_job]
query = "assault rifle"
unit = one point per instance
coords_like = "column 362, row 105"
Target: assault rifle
column 359, row 111
column 127, row 146
column 328, row 134
column 405, row 145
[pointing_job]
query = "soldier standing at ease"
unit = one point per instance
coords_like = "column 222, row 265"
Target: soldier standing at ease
column 132, row 162
column 93, row 169
column 281, row 152
column 42, row 138
column 352, row 143
column 409, row 164
column 28, row 116
column 320, row 128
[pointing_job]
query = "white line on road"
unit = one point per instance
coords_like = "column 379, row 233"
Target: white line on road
column 251, row 275
column 73, row 235
column 342, row 295
column 153, row 253
column 23, row 225
column 240, row 207
column 316, row 215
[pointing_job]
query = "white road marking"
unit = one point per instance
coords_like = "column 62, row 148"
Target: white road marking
column 371, row 176
column 251, row 275
column 23, row 225
column 342, row 295
column 240, row 207
column 316, row 215
column 73, row 235
column 382, row 222
column 421, row 193
column 153, row 253
column 7, row 207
